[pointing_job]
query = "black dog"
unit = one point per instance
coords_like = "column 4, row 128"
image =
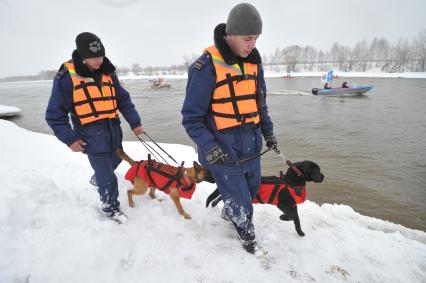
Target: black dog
column 286, row 191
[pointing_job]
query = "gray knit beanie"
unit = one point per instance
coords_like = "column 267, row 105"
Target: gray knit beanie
column 244, row 19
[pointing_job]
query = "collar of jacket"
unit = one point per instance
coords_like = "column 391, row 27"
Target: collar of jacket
column 106, row 68
column 226, row 52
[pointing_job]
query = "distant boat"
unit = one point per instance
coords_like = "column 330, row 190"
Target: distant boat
column 327, row 78
column 354, row 90
column 159, row 83
column 164, row 85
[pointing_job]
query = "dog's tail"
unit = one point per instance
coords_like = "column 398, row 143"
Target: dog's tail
column 120, row 152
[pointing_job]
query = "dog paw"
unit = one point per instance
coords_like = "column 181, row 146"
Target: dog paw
column 186, row 215
column 285, row 217
column 131, row 204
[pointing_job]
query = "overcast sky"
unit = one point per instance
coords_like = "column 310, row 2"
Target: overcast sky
column 39, row 34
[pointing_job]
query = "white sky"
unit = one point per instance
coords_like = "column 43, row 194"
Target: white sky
column 39, row 34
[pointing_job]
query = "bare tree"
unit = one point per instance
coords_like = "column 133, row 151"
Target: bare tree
column 360, row 56
column 124, row 71
column 136, row 69
column 291, row 56
column 420, row 53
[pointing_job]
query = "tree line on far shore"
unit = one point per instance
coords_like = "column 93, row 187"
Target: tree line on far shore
column 378, row 55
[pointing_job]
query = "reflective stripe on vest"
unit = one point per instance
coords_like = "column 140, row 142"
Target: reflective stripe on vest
column 90, row 102
column 234, row 97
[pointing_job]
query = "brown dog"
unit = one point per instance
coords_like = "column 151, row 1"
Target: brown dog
column 176, row 181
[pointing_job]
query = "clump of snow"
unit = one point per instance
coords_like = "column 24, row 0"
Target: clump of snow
column 9, row 111
column 52, row 231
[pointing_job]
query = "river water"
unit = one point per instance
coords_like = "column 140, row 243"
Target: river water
column 372, row 148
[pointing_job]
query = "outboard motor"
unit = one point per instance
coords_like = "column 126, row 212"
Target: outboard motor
column 315, row 91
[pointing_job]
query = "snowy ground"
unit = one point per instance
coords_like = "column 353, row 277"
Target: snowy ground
column 9, row 111
column 51, row 230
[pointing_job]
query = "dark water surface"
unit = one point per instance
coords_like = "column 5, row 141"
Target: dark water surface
column 371, row 148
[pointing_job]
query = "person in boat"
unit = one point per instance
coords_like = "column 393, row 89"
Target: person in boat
column 87, row 90
column 155, row 82
column 158, row 82
column 226, row 130
column 345, row 85
column 326, row 86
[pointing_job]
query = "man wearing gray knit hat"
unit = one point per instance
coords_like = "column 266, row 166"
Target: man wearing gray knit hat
column 226, row 115
column 244, row 19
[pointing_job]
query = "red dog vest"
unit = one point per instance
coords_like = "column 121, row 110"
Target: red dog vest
column 268, row 193
column 160, row 179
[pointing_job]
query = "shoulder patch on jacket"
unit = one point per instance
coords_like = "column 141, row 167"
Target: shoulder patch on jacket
column 61, row 72
column 201, row 61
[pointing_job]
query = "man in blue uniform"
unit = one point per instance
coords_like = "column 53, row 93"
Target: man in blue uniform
column 225, row 114
column 87, row 89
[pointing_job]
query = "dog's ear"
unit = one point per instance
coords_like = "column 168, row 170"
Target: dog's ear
column 197, row 166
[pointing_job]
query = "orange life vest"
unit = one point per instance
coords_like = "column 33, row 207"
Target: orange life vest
column 90, row 102
column 268, row 193
column 234, row 98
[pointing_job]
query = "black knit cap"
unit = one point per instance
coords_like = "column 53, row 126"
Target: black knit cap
column 89, row 45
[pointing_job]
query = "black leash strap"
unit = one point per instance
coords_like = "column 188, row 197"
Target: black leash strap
column 149, row 148
column 288, row 162
column 145, row 133
column 277, row 151
column 239, row 162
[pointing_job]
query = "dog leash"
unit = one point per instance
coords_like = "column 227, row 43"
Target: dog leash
column 277, row 151
column 288, row 162
column 146, row 134
column 239, row 162
column 150, row 149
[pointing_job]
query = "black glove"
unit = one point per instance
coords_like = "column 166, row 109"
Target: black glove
column 271, row 141
column 216, row 155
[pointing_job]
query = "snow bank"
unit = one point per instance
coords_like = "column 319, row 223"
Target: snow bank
column 9, row 111
column 52, row 231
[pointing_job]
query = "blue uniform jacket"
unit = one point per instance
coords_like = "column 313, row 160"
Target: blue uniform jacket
column 238, row 142
column 100, row 136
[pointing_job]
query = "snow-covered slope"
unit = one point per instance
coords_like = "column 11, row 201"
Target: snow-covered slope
column 51, row 230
